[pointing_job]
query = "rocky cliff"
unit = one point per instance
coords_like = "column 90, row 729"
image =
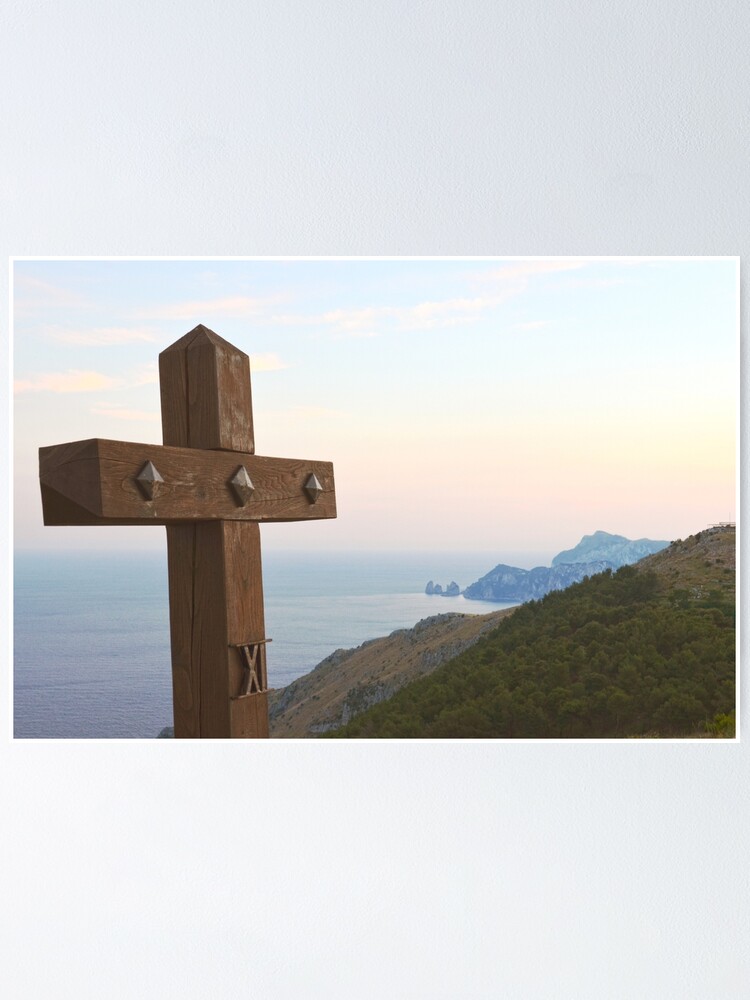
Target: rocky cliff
column 509, row 583
column 351, row 680
column 614, row 549
column 593, row 554
column 452, row 590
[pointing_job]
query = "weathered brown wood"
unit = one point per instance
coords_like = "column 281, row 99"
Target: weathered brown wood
column 249, row 716
column 205, row 393
column 213, row 537
column 213, row 607
column 98, row 478
column 206, row 627
column 245, row 623
column 206, row 403
column 183, row 564
column 216, row 603
column 173, row 387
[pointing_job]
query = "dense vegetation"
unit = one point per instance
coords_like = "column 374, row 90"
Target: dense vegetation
column 613, row 656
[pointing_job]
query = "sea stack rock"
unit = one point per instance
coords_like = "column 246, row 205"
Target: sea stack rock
column 452, row 590
column 437, row 589
column 430, row 588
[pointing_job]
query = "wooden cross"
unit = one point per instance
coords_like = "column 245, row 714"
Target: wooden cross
column 211, row 491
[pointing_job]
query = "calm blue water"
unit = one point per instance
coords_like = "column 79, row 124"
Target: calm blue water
column 91, row 632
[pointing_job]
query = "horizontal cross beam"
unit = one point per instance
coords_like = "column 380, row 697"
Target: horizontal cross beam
column 97, row 482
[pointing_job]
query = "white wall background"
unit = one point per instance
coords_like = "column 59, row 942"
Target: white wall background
column 359, row 870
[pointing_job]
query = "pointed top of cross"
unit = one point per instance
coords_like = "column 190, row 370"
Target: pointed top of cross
column 206, row 395
column 201, row 336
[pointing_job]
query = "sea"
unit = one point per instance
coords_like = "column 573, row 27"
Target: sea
column 91, row 645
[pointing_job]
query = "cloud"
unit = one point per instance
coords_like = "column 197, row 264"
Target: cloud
column 594, row 282
column 235, row 305
column 357, row 322
column 122, row 413
column 373, row 320
column 510, row 280
column 340, row 322
column 31, row 294
column 266, row 363
column 86, row 381
column 448, row 312
column 146, row 375
column 520, row 271
column 70, row 381
column 102, row 336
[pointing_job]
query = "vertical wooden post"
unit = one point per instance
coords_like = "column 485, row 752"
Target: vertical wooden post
column 215, row 583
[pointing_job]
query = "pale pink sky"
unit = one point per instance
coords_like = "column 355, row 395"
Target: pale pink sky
column 481, row 404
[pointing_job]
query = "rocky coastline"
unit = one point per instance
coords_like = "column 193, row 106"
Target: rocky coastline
column 594, row 554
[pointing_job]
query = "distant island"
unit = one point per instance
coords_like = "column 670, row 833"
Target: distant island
column 614, row 549
column 593, row 554
column 509, row 583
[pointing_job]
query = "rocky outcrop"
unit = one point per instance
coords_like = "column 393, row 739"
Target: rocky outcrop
column 614, row 549
column 593, row 554
column 452, row 590
column 509, row 583
column 351, row 680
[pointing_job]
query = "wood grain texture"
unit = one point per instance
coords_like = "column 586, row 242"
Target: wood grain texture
column 98, row 477
column 220, row 674
column 183, row 622
column 215, row 603
column 216, row 592
column 70, row 472
column 245, row 622
column 249, row 716
column 205, row 393
column 173, row 389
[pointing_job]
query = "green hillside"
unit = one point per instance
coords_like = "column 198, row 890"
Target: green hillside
column 631, row 653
